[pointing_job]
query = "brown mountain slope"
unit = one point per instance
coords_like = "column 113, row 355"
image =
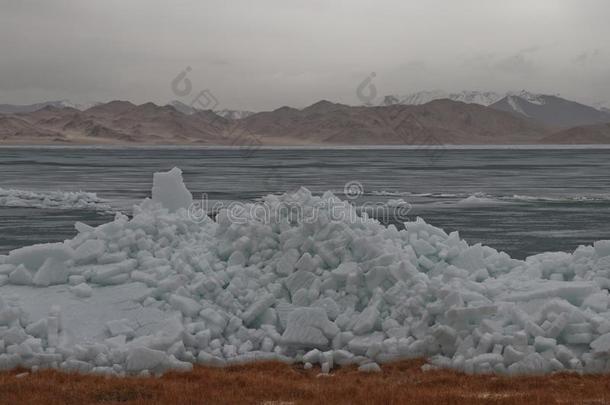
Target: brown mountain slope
column 322, row 123
column 117, row 122
column 15, row 129
column 589, row 134
column 441, row 121
column 110, row 109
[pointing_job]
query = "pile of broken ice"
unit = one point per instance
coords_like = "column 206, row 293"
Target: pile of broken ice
column 327, row 291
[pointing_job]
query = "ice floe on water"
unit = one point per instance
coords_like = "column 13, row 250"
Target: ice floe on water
column 482, row 197
column 52, row 200
column 295, row 278
column 575, row 198
column 398, row 202
column 479, row 199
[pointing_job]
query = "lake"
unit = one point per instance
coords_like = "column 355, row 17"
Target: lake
column 520, row 200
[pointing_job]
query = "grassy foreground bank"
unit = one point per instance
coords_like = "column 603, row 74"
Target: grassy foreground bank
column 279, row 384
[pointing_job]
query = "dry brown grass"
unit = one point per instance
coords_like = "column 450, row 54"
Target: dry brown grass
column 278, row 384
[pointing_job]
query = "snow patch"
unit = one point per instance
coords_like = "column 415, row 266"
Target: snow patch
column 513, row 101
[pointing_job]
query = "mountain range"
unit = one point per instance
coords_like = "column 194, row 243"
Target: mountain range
column 550, row 110
column 485, row 98
column 231, row 114
column 12, row 108
column 178, row 105
column 553, row 111
column 467, row 118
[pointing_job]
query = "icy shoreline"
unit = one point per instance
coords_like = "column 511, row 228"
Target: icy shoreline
column 164, row 290
column 52, row 200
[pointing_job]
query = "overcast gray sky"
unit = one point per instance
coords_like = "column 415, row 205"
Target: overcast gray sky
column 260, row 55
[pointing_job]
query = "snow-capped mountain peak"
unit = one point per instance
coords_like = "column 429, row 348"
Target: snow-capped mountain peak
column 551, row 110
column 538, row 99
column 27, row 108
column 230, row 114
column 234, row 114
column 602, row 106
column 421, row 97
column 485, row 98
column 513, row 102
column 476, row 97
column 70, row 104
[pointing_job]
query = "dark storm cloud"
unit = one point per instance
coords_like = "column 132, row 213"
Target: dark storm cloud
column 260, row 55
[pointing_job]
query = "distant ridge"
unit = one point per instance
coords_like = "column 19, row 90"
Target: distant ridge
column 226, row 113
column 484, row 98
column 586, row 135
column 552, row 111
column 12, row 108
column 442, row 121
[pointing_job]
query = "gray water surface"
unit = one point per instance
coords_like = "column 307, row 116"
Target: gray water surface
column 527, row 201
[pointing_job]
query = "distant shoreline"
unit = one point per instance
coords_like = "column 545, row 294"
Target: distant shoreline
column 315, row 147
